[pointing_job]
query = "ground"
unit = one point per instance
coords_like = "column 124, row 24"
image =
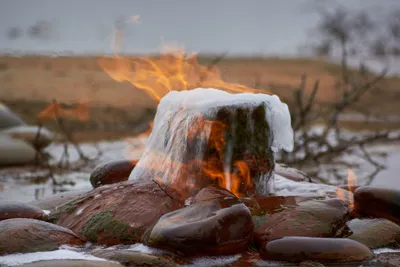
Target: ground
column 29, row 83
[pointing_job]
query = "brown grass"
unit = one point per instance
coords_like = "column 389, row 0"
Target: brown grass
column 28, row 83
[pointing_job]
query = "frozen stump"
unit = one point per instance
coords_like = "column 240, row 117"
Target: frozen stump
column 206, row 136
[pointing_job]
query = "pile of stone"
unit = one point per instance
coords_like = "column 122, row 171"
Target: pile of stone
column 292, row 229
column 20, row 142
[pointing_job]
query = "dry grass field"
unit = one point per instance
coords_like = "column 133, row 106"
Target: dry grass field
column 29, row 83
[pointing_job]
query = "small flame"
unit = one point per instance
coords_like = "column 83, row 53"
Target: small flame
column 351, row 183
column 54, row 110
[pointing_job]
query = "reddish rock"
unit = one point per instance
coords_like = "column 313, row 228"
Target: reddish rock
column 112, row 172
column 13, row 209
column 51, row 202
column 118, row 213
column 218, row 226
column 299, row 249
column 29, row 235
column 378, row 202
column 313, row 218
column 211, row 193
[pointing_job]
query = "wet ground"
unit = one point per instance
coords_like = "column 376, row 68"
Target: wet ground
column 30, row 183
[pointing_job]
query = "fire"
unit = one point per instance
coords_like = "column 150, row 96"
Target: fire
column 351, row 183
column 176, row 70
column 55, row 110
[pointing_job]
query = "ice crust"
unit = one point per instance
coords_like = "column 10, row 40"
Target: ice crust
column 177, row 114
column 207, row 99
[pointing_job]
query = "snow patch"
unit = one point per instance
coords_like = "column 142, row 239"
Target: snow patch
column 61, row 254
column 213, row 261
column 46, row 212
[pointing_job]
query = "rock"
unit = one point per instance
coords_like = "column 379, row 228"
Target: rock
column 378, row 202
column 211, row 193
column 391, row 259
column 31, row 135
column 13, row 209
column 9, row 119
column 194, row 143
column 375, row 233
column 299, row 249
column 273, row 204
column 72, row 263
column 210, row 227
column 29, row 235
column 313, row 218
column 56, row 200
column 133, row 258
column 112, row 172
column 118, row 213
column 15, row 152
column 291, row 173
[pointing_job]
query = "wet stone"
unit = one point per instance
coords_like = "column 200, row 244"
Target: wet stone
column 51, row 202
column 211, row 193
column 133, row 258
column 211, row 227
column 13, row 209
column 112, row 172
column 378, row 202
column 375, row 233
column 299, row 249
column 118, row 213
column 313, row 218
column 29, row 235
column 72, row 263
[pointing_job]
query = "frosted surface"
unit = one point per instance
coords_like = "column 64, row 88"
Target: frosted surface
column 178, row 115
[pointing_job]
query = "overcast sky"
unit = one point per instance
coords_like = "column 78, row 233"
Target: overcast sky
column 245, row 26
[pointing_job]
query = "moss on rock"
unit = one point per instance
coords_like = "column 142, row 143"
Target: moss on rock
column 104, row 224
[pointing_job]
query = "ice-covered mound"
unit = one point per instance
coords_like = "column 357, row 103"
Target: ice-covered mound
column 207, row 135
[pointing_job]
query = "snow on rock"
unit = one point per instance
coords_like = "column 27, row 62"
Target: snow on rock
column 190, row 128
column 62, row 254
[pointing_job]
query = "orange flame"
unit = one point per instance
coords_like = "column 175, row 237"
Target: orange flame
column 172, row 70
column 176, row 70
column 351, row 183
column 54, row 110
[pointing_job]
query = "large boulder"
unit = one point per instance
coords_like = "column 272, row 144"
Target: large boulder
column 313, row 218
column 225, row 139
column 15, row 152
column 118, row 213
column 112, row 172
column 38, row 137
column 13, row 209
column 29, row 235
column 210, row 226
